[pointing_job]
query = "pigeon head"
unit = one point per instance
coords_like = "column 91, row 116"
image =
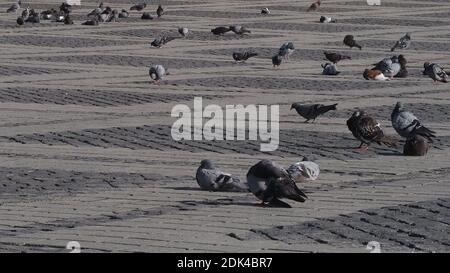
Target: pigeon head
column 267, row 169
column 408, row 35
column 206, row 164
column 394, row 59
column 322, row 19
column 366, row 74
column 398, row 106
column 294, row 105
column 426, row 64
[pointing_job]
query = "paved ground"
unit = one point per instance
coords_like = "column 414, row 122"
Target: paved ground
column 86, row 154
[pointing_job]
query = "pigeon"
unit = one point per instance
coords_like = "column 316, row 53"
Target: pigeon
column 242, row 57
column 33, row 17
column 240, row 30
column 269, row 182
column 325, row 19
column 65, row 8
column 314, row 6
column 14, row 7
column 97, row 11
column 367, row 130
column 416, row 146
column 403, row 73
column 373, row 74
column 212, row 179
column 183, row 31
column 220, row 30
column 304, row 170
column 435, row 72
column 159, row 11
column 48, row 14
column 91, row 22
column 403, row 43
column 26, row 13
column 312, row 111
column 408, row 125
column 286, row 50
column 335, row 57
column 330, row 69
column 139, row 7
column 276, row 60
column 349, row 40
column 389, row 66
column 107, row 10
column 59, row 16
column 68, row 20
column 157, row 72
column 114, row 16
column 146, row 16
column 103, row 17
column 265, row 11
column 20, row 21
column 123, row 14
column 161, row 40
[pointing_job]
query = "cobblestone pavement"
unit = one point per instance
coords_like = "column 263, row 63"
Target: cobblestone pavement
column 86, row 153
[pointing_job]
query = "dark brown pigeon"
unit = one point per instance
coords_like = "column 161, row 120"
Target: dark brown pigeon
column 416, row 146
column 349, row 40
column 314, row 6
column 335, row 57
column 367, row 130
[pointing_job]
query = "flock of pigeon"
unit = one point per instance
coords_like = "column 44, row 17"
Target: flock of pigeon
column 98, row 15
column 268, row 181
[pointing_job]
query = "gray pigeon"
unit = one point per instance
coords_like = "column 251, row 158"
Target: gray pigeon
column 157, row 72
column 330, row 69
column 123, row 14
column 312, row 111
column 97, row 11
column 114, row 16
column 403, row 43
column 408, row 125
column 435, row 72
column 416, row 146
column 286, row 50
column 14, row 7
column 239, row 30
column 388, row 66
column 269, row 182
column 212, row 179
